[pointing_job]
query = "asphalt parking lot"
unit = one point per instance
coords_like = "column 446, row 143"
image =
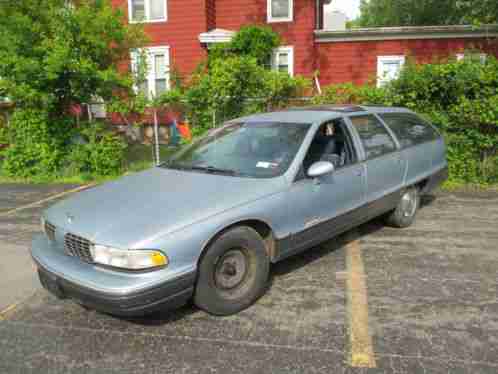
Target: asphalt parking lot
column 380, row 300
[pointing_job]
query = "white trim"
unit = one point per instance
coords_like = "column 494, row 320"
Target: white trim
column 482, row 56
column 151, row 71
column 290, row 52
column 271, row 19
column 381, row 61
column 147, row 13
column 216, row 36
column 406, row 33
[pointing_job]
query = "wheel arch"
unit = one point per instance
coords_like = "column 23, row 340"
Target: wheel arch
column 260, row 226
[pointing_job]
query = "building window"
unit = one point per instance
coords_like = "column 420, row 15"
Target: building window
column 283, row 60
column 481, row 57
column 151, row 66
column 147, row 10
column 388, row 68
column 280, row 10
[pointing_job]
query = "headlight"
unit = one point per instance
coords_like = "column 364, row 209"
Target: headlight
column 128, row 259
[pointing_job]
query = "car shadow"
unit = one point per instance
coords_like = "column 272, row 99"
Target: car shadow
column 284, row 267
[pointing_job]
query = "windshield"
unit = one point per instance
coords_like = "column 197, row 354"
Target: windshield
column 257, row 150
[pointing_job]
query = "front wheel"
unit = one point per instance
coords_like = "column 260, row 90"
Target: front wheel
column 406, row 210
column 233, row 273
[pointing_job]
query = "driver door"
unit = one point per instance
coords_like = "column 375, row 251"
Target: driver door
column 323, row 207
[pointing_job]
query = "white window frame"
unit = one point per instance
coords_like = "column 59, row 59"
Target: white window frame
column 381, row 61
column 271, row 19
column 290, row 52
column 151, row 68
column 482, row 56
column 147, row 12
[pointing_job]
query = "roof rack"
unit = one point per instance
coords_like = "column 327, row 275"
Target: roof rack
column 329, row 108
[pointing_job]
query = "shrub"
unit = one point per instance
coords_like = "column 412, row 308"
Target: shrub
column 37, row 144
column 4, row 137
column 251, row 41
column 348, row 93
column 459, row 97
column 95, row 151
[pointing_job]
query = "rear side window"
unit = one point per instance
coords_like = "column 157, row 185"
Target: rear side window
column 375, row 138
column 409, row 129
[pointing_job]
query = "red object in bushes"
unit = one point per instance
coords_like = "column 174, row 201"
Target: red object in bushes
column 184, row 130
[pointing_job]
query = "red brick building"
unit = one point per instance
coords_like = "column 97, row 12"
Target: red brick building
column 181, row 32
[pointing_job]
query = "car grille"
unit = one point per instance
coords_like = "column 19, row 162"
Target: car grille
column 78, row 247
column 50, row 231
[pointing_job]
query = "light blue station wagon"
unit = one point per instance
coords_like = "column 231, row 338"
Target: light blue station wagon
column 207, row 224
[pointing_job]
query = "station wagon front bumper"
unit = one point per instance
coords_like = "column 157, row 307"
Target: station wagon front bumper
column 67, row 277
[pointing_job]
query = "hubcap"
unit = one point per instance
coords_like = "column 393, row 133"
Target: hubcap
column 231, row 269
column 409, row 204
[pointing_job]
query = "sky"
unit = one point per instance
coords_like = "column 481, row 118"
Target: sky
column 350, row 7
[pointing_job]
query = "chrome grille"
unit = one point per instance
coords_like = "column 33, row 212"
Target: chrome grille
column 50, row 231
column 78, row 247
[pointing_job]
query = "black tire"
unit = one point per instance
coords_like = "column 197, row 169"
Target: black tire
column 237, row 253
column 404, row 214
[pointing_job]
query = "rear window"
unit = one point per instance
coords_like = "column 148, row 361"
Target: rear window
column 409, row 129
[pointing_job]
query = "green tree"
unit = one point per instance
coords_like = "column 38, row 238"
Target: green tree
column 236, row 80
column 53, row 54
column 427, row 12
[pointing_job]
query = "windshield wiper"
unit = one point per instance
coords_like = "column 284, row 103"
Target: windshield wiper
column 214, row 170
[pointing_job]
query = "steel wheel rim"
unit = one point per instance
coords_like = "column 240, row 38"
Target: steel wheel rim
column 231, row 269
column 409, row 204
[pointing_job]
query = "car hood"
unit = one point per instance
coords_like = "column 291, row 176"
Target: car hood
column 158, row 201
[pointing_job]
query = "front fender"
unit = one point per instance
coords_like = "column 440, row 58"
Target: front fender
column 184, row 247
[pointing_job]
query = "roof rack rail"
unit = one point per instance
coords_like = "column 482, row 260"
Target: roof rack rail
column 329, row 108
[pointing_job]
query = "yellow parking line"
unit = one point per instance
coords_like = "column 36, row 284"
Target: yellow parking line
column 50, row 198
column 12, row 307
column 361, row 347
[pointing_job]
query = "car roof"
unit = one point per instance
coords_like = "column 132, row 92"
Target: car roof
column 317, row 113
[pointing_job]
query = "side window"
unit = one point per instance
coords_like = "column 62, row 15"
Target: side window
column 332, row 143
column 409, row 129
column 375, row 138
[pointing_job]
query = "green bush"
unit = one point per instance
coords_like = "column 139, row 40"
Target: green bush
column 4, row 137
column 459, row 97
column 36, row 144
column 349, row 93
column 95, row 151
column 251, row 41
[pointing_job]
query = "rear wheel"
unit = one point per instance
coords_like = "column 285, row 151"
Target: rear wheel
column 233, row 273
column 406, row 210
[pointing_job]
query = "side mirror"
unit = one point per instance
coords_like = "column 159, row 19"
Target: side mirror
column 320, row 168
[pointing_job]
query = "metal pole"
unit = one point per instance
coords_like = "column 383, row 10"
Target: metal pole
column 156, row 137
column 214, row 118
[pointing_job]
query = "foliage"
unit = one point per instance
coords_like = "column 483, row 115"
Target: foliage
column 36, row 144
column 4, row 138
column 349, row 93
column 237, row 86
column 237, row 80
column 252, row 41
column 98, row 152
column 427, row 12
column 460, row 98
column 54, row 54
